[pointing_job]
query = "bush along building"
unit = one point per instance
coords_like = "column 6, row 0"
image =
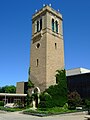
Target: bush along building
column 78, row 83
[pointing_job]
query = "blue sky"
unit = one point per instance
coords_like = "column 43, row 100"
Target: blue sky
column 15, row 35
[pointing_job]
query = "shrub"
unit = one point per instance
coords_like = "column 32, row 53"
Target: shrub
column 1, row 103
column 59, row 97
column 87, row 103
column 45, row 101
column 74, row 100
column 65, row 107
column 30, row 84
column 55, row 95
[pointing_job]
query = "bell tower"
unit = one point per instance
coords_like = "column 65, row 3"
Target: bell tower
column 47, row 48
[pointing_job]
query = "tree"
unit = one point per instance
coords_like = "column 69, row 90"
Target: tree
column 61, row 81
column 28, row 100
column 74, row 100
column 8, row 89
column 87, row 103
column 1, row 90
column 45, row 100
column 58, row 92
column 30, row 84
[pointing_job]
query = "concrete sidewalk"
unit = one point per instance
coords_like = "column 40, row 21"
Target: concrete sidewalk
column 19, row 116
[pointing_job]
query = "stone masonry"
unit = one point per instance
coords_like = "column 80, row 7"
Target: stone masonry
column 47, row 48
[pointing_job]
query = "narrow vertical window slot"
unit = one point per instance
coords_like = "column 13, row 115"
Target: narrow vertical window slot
column 53, row 25
column 37, row 26
column 55, row 45
column 56, row 24
column 37, row 62
column 40, row 24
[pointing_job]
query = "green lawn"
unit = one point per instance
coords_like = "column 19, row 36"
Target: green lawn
column 10, row 109
column 49, row 111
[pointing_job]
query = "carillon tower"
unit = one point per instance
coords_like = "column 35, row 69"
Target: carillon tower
column 47, row 48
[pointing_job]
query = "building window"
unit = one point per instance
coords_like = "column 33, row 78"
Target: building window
column 37, row 62
column 38, row 25
column 35, row 26
column 56, row 80
column 55, row 45
column 38, row 45
column 53, row 25
column 56, row 25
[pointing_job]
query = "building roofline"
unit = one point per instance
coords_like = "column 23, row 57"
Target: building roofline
column 77, row 74
column 77, row 68
column 77, row 71
column 49, row 9
column 12, row 94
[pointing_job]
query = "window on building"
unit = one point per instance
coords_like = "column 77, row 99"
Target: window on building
column 40, row 24
column 53, row 25
column 56, row 24
column 35, row 26
column 38, row 45
column 37, row 62
column 56, row 80
column 55, row 45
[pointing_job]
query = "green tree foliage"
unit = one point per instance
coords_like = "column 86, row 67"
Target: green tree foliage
column 28, row 100
column 30, row 84
column 58, row 92
column 1, row 103
column 87, row 103
column 61, row 82
column 45, row 100
column 8, row 89
column 74, row 100
column 0, row 89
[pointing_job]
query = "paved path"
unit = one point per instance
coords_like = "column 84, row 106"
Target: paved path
column 19, row 116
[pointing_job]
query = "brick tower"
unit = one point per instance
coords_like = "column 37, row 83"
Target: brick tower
column 47, row 48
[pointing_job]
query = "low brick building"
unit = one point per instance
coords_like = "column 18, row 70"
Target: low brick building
column 21, row 87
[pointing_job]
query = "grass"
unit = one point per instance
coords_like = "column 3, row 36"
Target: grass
column 10, row 109
column 49, row 111
column 39, row 111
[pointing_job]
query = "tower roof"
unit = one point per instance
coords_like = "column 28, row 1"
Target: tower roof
column 49, row 9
